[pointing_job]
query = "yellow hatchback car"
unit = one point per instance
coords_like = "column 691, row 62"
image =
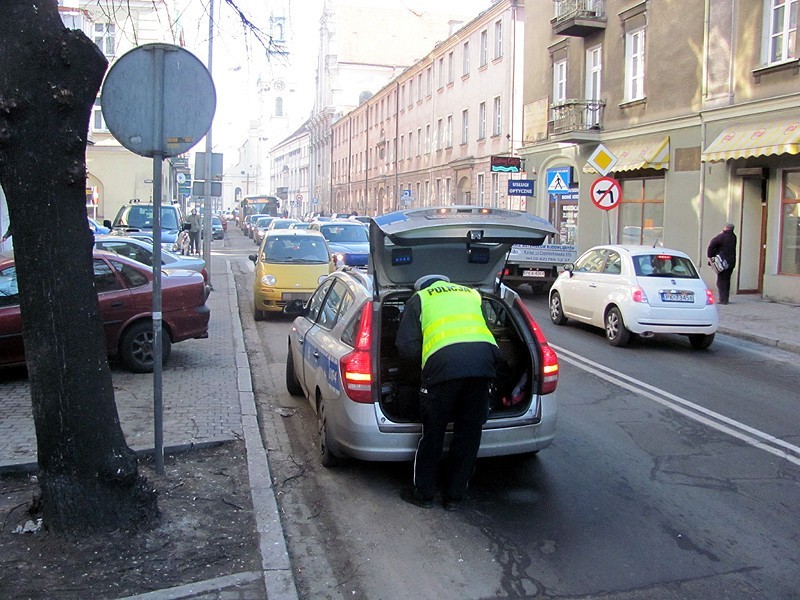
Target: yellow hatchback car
column 289, row 265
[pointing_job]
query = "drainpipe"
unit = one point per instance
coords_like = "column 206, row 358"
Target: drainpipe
column 394, row 146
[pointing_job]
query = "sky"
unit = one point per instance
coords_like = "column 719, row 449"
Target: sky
column 238, row 59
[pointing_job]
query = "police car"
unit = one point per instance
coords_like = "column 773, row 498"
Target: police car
column 341, row 352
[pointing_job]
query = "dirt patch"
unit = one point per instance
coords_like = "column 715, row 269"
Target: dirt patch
column 207, row 530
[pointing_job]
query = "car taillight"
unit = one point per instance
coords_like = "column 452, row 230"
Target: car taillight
column 638, row 295
column 204, row 273
column 356, row 366
column 710, row 297
column 548, row 358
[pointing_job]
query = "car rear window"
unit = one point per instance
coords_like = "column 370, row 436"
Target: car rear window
column 664, row 265
column 345, row 233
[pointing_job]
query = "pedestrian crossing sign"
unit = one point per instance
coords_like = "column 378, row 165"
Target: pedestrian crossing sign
column 559, row 180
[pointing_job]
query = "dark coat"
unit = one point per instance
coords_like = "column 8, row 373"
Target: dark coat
column 725, row 244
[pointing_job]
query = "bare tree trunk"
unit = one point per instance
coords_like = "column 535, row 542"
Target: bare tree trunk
column 48, row 83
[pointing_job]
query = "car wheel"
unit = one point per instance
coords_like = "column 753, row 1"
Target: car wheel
column 556, row 310
column 136, row 347
column 292, row 384
column 326, row 456
column 700, row 341
column 616, row 333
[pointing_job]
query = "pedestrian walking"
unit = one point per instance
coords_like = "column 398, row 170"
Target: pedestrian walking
column 723, row 245
column 195, row 225
column 444, row 330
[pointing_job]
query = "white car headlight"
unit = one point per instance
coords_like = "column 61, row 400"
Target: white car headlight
column 269, row 280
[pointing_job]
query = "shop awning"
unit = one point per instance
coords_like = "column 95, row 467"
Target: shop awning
column 762, row 139
column 634, row 154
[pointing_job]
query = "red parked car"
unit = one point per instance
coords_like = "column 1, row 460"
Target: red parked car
column 125, row 293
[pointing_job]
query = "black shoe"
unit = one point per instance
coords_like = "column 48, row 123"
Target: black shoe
column 452, row 505
column 412, row 496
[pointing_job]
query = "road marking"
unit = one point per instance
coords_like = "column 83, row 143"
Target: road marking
column 740, row 431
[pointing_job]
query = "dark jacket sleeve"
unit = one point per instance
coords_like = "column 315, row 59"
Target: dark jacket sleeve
column 409, row 333
column 714, row 246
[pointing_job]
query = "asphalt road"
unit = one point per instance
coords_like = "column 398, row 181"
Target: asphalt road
column 672, row 475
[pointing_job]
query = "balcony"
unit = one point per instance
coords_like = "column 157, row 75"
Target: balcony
column 579, row 18
column 576, row 120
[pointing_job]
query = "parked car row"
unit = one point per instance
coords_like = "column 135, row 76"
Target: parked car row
column 125, row 296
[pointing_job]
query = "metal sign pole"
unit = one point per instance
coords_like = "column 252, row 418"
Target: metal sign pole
column 207, row 185
column 158, row 157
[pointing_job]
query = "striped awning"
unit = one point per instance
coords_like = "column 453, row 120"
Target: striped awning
column 634, row 154
column 741, row 141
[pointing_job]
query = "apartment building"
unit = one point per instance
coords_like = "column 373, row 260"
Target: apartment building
column 701, row 112
column 356, row 58
column 289, row 171
column 428, row 136
column 114, row 174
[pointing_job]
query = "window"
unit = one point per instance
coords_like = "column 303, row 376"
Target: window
column 98, row 122
column 419, row 141
column 448, row 132
column 450, row 67
column 104, row 37
column 484, row 51
column 441, row 72
column 419, row 87
column 594, row 72
column 428, row 137
column 782, row 42
column 439, row 191
column 481, row 190
column 278, row 106
column 105, row 279
column 634, row 65
column 410, row 92
column 641, row 212
column 465, row 58
column 482, row 121
column 464, row 126
column 429, row 74
column 410, row 144
column 276, row 25
column 401, row 155
column 498, row 117
column 448, row 189
column 790, row 224
column 559, row 81
column 439, row 135
column 498, row 39
column 495, row 190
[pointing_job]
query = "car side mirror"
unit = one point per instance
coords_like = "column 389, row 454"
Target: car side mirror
column 569, row 268
column 107, row 223
column 253, row 257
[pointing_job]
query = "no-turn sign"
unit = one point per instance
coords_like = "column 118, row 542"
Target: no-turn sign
column 606, row 193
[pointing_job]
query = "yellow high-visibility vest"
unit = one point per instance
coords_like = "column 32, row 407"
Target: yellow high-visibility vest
column 451, row 314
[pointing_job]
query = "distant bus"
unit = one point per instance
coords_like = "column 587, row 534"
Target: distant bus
column 259, row 205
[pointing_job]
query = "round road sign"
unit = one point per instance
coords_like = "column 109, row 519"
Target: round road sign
column 606, row 193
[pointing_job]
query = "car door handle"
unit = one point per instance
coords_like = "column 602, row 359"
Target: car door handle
column 117, row 304
column 315, row 354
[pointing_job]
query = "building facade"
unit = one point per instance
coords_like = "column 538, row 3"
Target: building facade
column 702, row 118
column 289, row 170
column 427, row 138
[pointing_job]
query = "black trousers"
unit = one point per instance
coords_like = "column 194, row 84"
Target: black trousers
column 724, row 285
column 465, row 402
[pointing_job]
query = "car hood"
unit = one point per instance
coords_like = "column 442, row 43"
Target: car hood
column 469, row 244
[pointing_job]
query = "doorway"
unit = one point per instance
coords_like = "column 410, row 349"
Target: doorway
column 752, row 236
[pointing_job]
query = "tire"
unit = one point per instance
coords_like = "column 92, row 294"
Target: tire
column 258, row 315
column 136, row 347
column 700, row 341
column 616, row 332
column 326, row 456
column 556, row 309
column 292, row 384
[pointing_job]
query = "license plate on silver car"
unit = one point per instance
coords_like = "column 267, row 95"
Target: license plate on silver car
column 677, row 296
column 533, row 273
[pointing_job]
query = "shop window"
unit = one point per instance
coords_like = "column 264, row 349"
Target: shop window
column 790, row 224
column 641, row 212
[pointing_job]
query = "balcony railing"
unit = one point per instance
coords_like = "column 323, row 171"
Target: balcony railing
column 576, row 116
column 579, row 17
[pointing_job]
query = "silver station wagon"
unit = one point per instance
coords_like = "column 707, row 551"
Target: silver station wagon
column 341, row 347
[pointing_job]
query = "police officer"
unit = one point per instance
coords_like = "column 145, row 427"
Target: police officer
column 444, row 329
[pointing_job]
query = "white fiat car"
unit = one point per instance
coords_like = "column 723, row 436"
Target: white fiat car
column 636, row 290
column 341, row 348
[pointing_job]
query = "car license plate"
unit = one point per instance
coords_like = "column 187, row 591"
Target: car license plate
column 295, row 296
column 677, row 296
column 533, row 273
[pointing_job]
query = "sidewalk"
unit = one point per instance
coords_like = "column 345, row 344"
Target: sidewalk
column 204, row 405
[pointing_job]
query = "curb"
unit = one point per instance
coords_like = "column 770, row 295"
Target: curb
column 761, row 339
column 275, row 563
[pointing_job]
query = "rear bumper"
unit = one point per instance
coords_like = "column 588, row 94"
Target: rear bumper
column 683, row 322
column 189, row 323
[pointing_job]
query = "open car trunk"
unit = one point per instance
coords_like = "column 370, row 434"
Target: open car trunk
column 399, row 381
